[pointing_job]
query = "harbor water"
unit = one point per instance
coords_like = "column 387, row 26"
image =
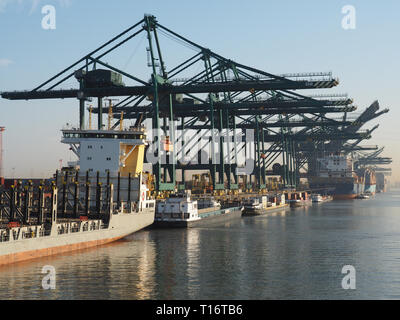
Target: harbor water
column 294, row 254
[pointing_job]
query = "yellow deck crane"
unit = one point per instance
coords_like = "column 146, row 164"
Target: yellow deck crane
column 90, row 117
column 201, row 183
column 121, row 121
column 110, row 112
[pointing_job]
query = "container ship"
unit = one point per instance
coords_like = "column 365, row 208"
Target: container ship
column 335, row 176
column 99, row 198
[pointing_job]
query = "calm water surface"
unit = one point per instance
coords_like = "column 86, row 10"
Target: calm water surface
column 296, row 254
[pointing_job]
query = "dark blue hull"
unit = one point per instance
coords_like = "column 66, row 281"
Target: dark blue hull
column 338, row 190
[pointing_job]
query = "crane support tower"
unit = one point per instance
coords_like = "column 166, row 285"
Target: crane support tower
column 1, row 155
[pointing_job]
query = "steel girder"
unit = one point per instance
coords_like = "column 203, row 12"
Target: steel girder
column 232, row 92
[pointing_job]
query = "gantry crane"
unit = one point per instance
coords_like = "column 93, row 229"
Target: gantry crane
column 224, row 97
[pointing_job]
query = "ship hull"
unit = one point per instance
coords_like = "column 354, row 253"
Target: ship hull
column 370, row 189
column 39, row 253
column 259, row 212
column 210, row 218
column 298, row 204
column 120, row 226
column 344, row 196
column 337, row 189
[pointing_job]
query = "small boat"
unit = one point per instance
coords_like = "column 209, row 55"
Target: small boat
column 318, row 198
column 362, row 196
column 255, row 206
column 296, row 203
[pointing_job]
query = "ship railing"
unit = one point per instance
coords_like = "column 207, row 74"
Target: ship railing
column 68, row 228
column 212, row 213
column 85, row 226
column 179, row 215
column 61, row 229
column 103, row 225
column 95, row 225
column 16, row 233
column 69, row 126
column 78, row 226
column 28, row 234
column 4, row 237
column 44, row 233
column 25, row 234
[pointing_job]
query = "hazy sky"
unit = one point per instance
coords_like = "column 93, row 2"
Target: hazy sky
column 275, row 36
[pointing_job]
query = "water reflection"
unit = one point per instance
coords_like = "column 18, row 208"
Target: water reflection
column 193, row 262
column 292, row 254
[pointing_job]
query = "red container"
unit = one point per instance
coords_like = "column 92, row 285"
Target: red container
column 13, row 224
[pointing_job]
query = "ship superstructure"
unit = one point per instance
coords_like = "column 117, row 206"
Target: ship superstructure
column 107, row 150
column 336, row 176
column 110, row 156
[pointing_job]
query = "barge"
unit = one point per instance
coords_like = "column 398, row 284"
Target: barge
column 296, row 203
column 181, row 211
column 260, row 205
